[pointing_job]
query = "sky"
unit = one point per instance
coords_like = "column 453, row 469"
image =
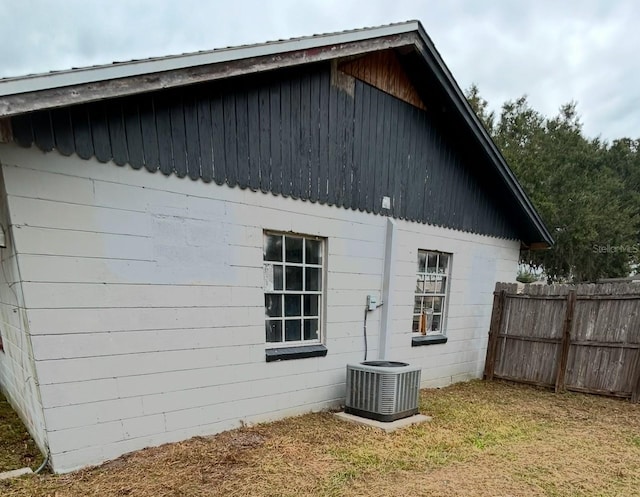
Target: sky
column 554, row 52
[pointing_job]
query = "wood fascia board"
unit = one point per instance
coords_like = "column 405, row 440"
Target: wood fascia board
column 535, row 246
column 21, row 103
column 539, row 246
column 117, row 70
column 6, row 131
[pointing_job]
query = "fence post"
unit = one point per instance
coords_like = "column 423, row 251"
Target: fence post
column 499, row 300
column 566, row 341
column 635, row 393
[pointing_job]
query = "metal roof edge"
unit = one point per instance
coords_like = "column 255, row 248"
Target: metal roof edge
column 457, row 96
column 92, row 74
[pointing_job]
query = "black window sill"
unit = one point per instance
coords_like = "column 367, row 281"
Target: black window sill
column 421, row 340
column 289, row 353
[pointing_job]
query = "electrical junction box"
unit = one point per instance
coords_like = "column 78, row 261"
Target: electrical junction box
column 372, row 302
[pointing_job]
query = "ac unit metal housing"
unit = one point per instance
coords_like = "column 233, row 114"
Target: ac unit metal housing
column 382, row 390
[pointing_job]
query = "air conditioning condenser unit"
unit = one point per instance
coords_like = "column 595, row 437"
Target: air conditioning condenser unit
column 382, row 390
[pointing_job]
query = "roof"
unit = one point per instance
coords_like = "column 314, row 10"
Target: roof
column 19, row 95
column 83, row 75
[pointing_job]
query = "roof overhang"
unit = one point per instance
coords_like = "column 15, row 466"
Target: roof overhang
column 59, row 89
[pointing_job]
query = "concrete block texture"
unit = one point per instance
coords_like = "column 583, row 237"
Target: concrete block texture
column 144, row 300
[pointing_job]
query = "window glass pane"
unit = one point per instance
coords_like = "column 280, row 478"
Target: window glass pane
column 420, row 284
column 312, row 281
column 416, row 321
column 427, row 304
column 443, row 263
column 437, row 304
column 273, row 305
column 311, row 305
column 273, row 248
column 268, row 277
column 292, row 305
column 293, row 249
column 432, row 262
column 441, row 285
column 435, row 322
column 274, row 331
column 313, row 252
column 272, row 277
column 422, row 261
column 293, row 277
column 277, row 277
column 417, row 305
column 430, row 285
column 292, row 331
column 310, row 329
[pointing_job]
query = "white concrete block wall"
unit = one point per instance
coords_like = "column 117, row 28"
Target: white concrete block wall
column 145, row 297
column 477, row 263
column 18, row 379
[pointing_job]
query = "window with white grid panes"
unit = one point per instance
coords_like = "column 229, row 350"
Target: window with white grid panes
column 432, row 287
column 293, row 283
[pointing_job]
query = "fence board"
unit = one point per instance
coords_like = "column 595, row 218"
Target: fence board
column 494, row 332
column 635, row 394
column 566, row 341
column 583, row 338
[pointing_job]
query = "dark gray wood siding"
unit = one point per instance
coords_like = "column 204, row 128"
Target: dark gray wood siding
column 292, row 133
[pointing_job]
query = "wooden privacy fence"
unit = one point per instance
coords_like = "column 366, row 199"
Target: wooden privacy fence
column 583, row 338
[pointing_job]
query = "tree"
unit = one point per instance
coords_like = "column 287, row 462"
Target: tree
column 481, row 107
column 585, row 191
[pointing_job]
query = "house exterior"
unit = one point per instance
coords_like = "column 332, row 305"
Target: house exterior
column 191, row 242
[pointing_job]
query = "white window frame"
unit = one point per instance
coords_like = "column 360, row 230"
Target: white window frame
column 437, row 275
column 320, row 293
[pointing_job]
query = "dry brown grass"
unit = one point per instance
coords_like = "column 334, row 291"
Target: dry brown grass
column 17, row 449
column 486, row 439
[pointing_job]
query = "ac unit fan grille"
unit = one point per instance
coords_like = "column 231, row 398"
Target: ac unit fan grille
column 382, row 395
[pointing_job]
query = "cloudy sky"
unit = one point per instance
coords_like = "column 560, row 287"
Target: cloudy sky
column 553, row 51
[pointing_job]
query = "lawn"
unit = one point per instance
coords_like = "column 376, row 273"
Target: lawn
column 17, row 449
column 486, row 439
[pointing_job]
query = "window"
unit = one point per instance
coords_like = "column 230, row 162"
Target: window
column 293, row 279
column 431, row 292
